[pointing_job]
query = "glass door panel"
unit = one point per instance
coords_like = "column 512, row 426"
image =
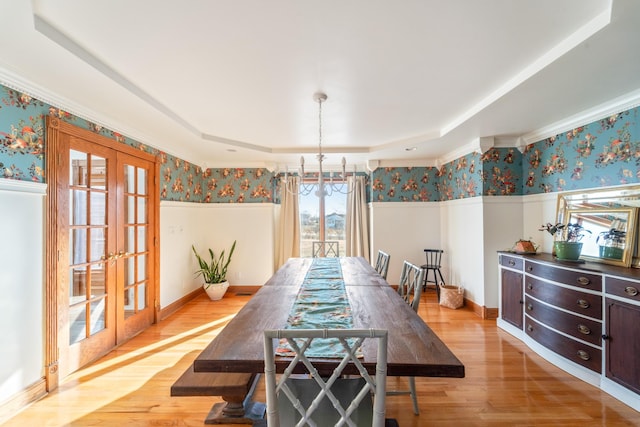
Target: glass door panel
column 89, row 188
column 137, row 303
column 88, row 230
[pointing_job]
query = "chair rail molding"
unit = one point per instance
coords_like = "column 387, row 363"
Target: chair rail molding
column 23, row 186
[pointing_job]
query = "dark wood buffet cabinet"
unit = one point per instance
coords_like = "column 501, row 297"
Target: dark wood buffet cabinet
column 582, row 317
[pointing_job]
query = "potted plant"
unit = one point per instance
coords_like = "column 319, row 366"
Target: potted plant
column 214, row 272
column 567, row 245
column 613, row 243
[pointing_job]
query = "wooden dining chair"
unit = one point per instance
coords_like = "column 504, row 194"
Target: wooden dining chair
column 410, row 289
column 333, row 400
column 433, row 261
column 328, row 248
column 382, row 263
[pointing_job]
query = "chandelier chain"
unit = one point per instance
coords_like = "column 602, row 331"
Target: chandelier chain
column 324, row 188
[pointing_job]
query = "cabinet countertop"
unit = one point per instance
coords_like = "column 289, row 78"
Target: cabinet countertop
column 595, row 267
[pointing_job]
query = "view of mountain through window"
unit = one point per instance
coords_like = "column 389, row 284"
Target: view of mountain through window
column 335, row 215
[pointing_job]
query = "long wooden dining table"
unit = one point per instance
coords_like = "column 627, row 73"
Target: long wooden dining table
column 413, row 348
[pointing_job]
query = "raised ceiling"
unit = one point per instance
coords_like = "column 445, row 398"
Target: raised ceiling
column 230, row 83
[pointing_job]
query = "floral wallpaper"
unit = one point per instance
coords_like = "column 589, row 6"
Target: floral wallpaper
column 412, row 184
column 22, row 139
column 22, row 127
column 501, row 172
column 21, row 136
column 496, row 172
column 602, row 153
column 460, row 178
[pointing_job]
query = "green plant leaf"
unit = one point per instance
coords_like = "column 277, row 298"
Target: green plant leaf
column 215, row 270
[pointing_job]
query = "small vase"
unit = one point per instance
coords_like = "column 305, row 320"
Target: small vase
column 569, row 251
column 216, row 290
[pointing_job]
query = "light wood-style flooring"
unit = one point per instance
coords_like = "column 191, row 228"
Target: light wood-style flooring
column 506, row 384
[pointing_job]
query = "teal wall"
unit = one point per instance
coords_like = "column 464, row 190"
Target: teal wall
column 602, row 153
column 496, row 172
column 22, row 140
column 599, row 154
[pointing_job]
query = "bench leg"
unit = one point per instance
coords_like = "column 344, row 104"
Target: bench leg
column 237, row 409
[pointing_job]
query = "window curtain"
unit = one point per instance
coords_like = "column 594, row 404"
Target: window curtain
column 288, row 232
column 357, row 225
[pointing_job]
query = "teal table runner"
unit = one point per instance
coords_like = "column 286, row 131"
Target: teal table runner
column 321, row 303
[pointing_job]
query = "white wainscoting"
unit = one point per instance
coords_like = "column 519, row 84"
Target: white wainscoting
column 216, row 226
column 22, row 209
column 503, row 227
column 463, row 242
column 404, row 230
column 538, row 209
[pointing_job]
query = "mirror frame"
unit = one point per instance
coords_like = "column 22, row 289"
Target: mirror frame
column 629, row 240
column 603, row 199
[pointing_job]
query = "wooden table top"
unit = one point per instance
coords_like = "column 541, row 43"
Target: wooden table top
column 413, row 348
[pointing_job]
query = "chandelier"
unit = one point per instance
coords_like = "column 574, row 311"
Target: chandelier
column 324, row 186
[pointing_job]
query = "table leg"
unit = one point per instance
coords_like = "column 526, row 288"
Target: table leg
column 237, row 409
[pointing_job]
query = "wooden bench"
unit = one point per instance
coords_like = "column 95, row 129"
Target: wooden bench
column 236, row 389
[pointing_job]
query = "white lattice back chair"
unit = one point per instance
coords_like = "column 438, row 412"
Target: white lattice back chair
column 328, row 248
column 410, row 286
column 300, row 340
column 410, row 289
column 382, row 263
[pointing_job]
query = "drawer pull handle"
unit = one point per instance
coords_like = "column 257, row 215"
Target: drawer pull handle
column 512, row 262
column 529, row 286
column 529, row 328
column 583, row 303
column 630, row 290
column 529, row 306
column 529, row 268
column 583, row 329
column 583, row 280
column 583, row 355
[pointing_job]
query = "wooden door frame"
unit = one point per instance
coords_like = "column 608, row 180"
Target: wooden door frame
column 56, row 127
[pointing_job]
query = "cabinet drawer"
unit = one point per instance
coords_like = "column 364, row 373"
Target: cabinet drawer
column 568, row 277
column 576, row 301
column 579, row 327
column 575, row 351
column 623, row 288
column 511, row 262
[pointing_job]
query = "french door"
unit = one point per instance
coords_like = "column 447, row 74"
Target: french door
column 105, row 246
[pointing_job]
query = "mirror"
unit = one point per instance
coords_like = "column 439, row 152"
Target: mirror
column 609, row 234
column 598, row 209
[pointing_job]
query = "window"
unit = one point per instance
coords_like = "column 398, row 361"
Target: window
column 334, row 219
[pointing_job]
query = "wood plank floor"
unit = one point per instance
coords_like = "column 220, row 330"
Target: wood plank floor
column 506, row 384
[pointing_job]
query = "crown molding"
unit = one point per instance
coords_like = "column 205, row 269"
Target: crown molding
column 13, row 81
column 609, row 108
column 580, row 35
column 399, row 163
column 478, row 145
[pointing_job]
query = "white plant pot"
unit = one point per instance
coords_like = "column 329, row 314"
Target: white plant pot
column 216, row 290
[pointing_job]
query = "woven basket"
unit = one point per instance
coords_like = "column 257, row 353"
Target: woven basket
column 451, row 296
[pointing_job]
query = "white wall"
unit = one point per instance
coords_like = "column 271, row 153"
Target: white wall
column 404, row 230
column 463, row 243
column 503, row 226
column 21, row 285
column 469, row 230
column 539, row 209
column 214, row 226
